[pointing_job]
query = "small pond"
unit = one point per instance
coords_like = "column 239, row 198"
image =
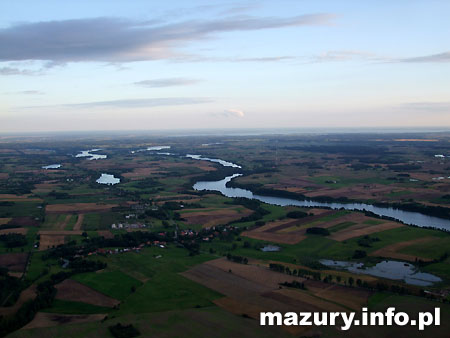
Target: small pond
column 108, row 179
column 387, row 269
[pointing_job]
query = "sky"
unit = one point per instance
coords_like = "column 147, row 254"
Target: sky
column 153, row 65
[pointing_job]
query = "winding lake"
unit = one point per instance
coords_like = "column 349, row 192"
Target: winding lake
column 407, row 217
column 87, row 153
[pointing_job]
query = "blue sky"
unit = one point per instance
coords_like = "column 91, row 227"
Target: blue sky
column 110, row 65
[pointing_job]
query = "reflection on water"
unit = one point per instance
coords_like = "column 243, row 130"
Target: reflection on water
column 387, row 269
column 108, row 179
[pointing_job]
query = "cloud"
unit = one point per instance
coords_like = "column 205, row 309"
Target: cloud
column 442, row 57
column 168, row 82
column 132, row 103
column 355, row 55
column 345, row 55
column 200, row 58
column 16, row 71
column 233, row 113
column 119, row 40
column 264, row 59
column 29, row 92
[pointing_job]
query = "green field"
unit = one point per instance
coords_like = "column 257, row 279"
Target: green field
column 115, row 284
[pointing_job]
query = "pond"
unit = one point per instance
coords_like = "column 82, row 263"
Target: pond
column 387, row 269
column 108, row 179
column 270, row 248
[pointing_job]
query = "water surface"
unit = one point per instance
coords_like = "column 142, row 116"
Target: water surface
column 387, row 269
column 108, row 179
column 407, row 217
column 87, row 153
column 52, row 166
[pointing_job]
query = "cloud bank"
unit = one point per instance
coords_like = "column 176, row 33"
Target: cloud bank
column 118, row 40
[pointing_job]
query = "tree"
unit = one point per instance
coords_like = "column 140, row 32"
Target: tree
column 351, row 281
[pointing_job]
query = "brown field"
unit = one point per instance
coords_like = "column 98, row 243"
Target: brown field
column 14, row 261
column 79, row 222
column 288, row 231
column 209, row 218
column 9, row 196
column 306, row 221
column 49, row 241
column 4, row 176
column 238, row 307
column 76, row 292
column 21, row 231
column 358, row 230
column 105, row 233
column 182, row 198
column 352, row 298
column 357, row 191
column 25, row 221
column 18, row 198
column 253, row 273
column 287, row 238
column 4, row 220
column 250, row 289
column 43, row 319
column 139, row 173
column 78, row 207
column 293, row 297
column 391, row 251
column 44, row 187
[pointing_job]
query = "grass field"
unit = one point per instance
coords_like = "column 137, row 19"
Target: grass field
column 115, row 284
column 68, row 307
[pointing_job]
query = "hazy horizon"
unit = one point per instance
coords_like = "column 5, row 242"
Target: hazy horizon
column 216, row 65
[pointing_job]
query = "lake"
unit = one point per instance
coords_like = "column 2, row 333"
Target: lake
column 407, row 217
